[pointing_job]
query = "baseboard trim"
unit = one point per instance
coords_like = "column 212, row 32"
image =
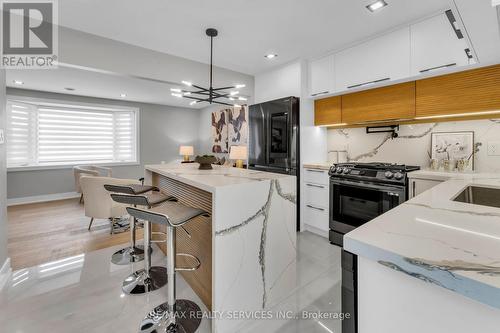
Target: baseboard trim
column 5, row 272
column 42, row 198
column 316, row 231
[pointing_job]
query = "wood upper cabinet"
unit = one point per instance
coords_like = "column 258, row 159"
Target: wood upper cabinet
column 328, row 111
column 381, row 104
column 465, row 92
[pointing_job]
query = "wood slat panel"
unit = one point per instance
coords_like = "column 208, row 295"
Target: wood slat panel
column 470, row 91
column 200, row 228
column 328, row 111
column 386, row 103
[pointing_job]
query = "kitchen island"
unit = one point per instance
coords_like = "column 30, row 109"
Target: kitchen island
column 247, row 247
column 431, row 264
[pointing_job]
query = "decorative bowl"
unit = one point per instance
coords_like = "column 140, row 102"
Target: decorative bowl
column 205, row 161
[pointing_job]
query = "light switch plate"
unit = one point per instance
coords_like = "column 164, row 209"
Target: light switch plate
column 2, row 137
column 494, row 148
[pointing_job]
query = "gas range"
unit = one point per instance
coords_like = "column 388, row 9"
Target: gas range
column 386, row 173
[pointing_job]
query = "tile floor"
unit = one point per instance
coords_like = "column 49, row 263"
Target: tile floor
column 82, row 294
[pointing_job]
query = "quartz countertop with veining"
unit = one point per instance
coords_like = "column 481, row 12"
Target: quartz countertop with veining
column 440, row 241
column 210, row 180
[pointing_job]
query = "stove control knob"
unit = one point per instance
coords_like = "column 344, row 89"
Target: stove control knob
column 339, row 170
column 389, row 174
column 346, row 171
column 398, row 175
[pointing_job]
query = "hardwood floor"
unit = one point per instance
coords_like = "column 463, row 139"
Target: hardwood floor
column 42, row 232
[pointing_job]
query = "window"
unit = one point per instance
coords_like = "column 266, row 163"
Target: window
column 50, row 134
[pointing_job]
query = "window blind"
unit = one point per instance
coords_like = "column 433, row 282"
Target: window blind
column 44, row 135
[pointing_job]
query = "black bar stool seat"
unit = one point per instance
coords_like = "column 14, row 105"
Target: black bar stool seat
column 175, row 315
column 132, row 189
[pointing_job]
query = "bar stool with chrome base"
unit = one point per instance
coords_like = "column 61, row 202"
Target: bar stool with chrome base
column 174, row 315
column 151, row 277
column 134, row 252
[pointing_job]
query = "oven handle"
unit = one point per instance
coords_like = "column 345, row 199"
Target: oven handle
column 392, row 190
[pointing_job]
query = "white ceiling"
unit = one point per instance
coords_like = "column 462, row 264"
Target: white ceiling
column 248, row 29
column 94, row 84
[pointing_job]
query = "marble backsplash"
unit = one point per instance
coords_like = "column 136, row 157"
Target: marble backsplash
column 413, row 144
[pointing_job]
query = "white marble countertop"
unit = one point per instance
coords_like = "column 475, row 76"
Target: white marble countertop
column 319, row 165
column 445, row 175
column 210, row 180
column 437, row 240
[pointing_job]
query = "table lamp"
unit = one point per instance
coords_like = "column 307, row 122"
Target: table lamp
column 238, row 153
column 186, row 151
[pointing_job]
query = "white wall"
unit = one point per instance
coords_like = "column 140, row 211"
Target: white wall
column 281, row 82
column 162, row 130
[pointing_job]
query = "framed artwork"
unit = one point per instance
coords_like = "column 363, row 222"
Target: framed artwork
column 453, row 146
column 219, row 132
column 238, row 126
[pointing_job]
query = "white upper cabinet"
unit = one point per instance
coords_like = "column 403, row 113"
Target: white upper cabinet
column 381, row 59
column 436, row 44
column 321, row 76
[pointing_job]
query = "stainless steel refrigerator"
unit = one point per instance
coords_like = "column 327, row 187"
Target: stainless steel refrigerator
column 274, row 139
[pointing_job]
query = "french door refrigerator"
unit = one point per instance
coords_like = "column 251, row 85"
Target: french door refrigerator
column 274, row 139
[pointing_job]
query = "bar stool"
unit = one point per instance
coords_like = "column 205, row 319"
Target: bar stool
column 149, row 278
column 135, row 253
column 176, row 315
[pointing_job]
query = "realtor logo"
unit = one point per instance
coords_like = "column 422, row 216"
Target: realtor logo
column 29, row 34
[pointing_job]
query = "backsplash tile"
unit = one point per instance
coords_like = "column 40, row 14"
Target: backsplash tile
column 413, row 144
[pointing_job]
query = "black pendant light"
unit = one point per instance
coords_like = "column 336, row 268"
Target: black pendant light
column 211, row 95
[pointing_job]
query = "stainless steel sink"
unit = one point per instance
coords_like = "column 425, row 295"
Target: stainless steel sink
column 477, row 195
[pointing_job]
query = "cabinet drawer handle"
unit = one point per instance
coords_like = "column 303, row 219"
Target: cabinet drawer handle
column 317, row 171
column 317, row 208
column 320, row 93
column 438, row 67
column 313, row 185
column 368, row 83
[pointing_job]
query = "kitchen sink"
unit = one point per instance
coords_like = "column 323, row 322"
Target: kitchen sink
column 478, row 195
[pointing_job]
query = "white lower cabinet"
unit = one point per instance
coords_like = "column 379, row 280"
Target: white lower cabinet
column 316, row 217
column 418, row 185
column 316, row 200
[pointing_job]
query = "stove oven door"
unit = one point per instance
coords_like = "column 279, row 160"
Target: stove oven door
column 354, row 203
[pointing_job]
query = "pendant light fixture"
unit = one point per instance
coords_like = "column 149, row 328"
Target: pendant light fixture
column 211, row 95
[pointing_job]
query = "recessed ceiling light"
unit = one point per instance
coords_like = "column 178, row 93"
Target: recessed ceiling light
column 69, row 88
column 270, row 56
column 18, row 82
column 376, row 5
column 122, row 95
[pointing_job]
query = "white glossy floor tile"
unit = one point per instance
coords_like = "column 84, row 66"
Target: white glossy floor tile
column 83, row 294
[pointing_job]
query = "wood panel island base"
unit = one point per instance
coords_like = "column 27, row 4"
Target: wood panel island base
column 247, row 247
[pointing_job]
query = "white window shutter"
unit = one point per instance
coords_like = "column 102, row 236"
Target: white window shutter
column 46, row 135
column 20, row 134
